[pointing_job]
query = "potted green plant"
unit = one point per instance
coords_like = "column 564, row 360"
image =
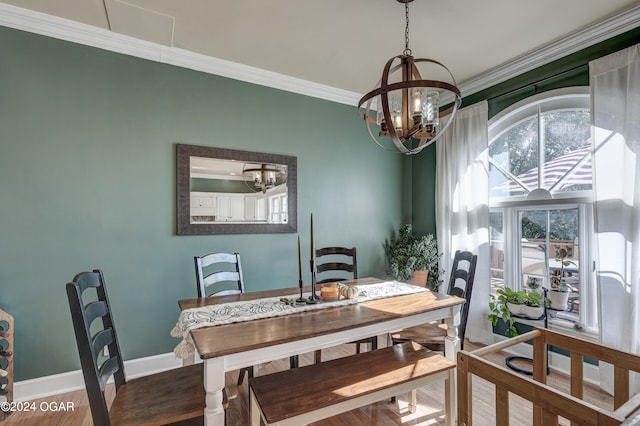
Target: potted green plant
column 559, row 292
column 533, row 305
column 509, row 304
column 499, row 309
column 407, row 253
column 515, row 300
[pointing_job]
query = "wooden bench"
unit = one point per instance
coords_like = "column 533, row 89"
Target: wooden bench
column 315, row 392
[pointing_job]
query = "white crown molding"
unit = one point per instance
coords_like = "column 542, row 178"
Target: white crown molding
column 75, row 32
column 221, row 67
column 65, row 29
column 557, row 49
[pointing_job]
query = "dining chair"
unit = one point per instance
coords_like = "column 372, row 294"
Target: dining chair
column 164, row 398
column 339, row 264
column 432, row 335
column 220, row 274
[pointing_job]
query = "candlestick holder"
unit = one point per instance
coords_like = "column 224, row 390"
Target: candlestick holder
column 313, row 299
column 301, row 299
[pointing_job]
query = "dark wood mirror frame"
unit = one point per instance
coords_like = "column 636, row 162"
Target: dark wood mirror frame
column 183, row 198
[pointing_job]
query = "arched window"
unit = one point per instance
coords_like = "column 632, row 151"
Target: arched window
column 540, row 148
column 540, row 199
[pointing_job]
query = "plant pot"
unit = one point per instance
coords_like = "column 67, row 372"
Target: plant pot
column 515, row 309
column 559, row 299
column 420, row 278
column 533, row 312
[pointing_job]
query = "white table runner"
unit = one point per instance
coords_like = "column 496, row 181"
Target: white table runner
column 227, row 313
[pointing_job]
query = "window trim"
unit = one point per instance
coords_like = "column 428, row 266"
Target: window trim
column 511, row 206
column 552, row 100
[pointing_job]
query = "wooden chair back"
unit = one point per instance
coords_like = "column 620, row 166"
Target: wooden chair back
column 219, row 274
column 347, row 262
column 461, row 285
column 90, row 344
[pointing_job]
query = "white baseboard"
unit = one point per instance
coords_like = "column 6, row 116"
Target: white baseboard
column 42, row 387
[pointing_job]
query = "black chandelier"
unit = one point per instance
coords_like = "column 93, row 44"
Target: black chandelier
column 408, row 110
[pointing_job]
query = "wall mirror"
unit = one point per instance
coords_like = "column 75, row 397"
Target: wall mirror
column 227, row 191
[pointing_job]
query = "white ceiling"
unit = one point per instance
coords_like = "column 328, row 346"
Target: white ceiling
column 343, row 43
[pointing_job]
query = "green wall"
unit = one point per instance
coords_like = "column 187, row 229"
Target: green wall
column 423, row 185
column 571, row 70
column 87, row 180
column 219, row 185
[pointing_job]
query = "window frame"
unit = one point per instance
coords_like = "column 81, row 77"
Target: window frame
column 510, row 206
column 569, row 98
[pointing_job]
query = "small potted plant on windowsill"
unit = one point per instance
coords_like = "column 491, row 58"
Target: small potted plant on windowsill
column 559, row 291
column 408, row 253
column 502, row 307
column 514, row 300
column 510, row 304
column 533, row 305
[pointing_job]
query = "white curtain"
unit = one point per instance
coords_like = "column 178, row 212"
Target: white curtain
column 615, row 97
column 462, row 207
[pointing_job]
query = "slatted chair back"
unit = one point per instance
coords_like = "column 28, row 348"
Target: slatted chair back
column 340, row 261
column 90, row 344
column 347, row 262
column 463, row 272
column 219, row 274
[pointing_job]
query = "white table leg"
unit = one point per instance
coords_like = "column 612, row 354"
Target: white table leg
column 452, row 341
column 413, row 400
column 383, row 340
column 451, row 349
column 213, row 386
column 450, row 397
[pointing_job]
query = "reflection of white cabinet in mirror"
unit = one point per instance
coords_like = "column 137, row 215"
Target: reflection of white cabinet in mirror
column 230, row 208
column 261, row 209
column 209, row 207
column 203, row 205
column 250, row 207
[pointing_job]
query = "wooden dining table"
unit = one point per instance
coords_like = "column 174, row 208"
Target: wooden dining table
column 232, row 346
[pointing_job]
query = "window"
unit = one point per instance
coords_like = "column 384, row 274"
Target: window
column 278, row 208
column 540, row 198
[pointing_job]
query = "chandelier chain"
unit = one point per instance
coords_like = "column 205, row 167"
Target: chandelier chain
column 407, row 51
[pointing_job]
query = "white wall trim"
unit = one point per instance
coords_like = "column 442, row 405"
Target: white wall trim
column 89, row 35
column 65, row 29
column 557, row 49
column 42, row 387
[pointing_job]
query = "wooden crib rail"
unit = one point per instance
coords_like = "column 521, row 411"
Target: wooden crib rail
column 549, row 403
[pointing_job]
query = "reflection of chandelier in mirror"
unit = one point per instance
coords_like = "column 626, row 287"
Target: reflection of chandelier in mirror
column 264, row 176
column 408, row 110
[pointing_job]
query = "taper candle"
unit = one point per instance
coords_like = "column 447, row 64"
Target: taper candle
column 313, row 248
column 299, row 262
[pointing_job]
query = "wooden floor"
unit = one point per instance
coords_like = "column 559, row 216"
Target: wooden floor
column 429, row 412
